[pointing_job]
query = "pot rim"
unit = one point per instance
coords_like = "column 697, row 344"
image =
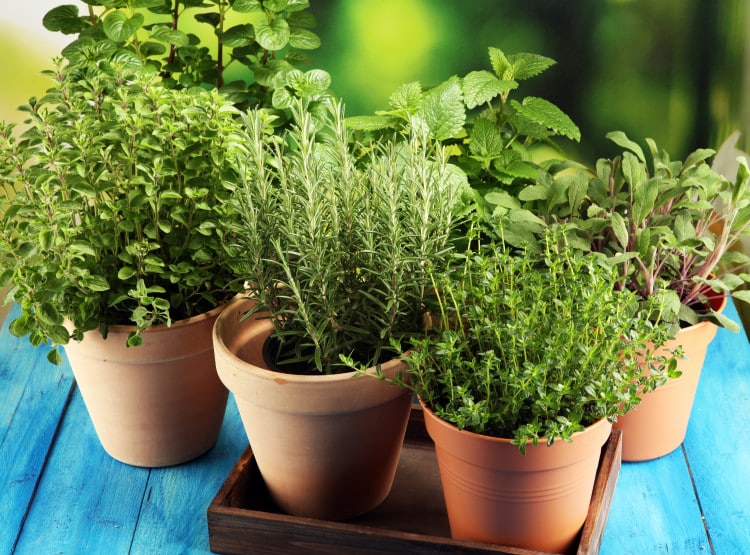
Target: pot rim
column 390, row 365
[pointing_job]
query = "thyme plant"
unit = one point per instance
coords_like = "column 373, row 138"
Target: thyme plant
column 535, row 345
column 114, row 204
column 336, row 249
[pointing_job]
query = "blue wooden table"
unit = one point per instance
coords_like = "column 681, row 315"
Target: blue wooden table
column 61, row 493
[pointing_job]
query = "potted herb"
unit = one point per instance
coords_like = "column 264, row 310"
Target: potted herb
column 112, row 238
column 264, row 41
column 670, row 226
column 530, row 357
column 498, row 139
column 335, row 253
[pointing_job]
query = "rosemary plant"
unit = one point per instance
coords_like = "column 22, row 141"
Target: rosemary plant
column 339, row 251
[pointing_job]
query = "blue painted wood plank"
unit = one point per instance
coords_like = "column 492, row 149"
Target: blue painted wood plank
column 716, row 443
column 86, row 501
column 173, row 518
column 33, row 396
column 654, row 510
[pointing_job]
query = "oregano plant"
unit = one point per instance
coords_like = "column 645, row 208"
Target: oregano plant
column 263, row 42
column 115, row 198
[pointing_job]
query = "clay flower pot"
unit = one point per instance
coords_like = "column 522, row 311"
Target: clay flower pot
column 327, row 446
column 157, row 404
column 495, row 494
column 657, row 426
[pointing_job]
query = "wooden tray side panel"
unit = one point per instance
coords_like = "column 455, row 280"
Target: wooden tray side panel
column 243, row 519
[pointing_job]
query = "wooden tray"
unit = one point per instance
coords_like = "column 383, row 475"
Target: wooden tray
column 242, row 518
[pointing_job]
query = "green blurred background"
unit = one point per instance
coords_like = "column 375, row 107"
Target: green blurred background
column 674, row 70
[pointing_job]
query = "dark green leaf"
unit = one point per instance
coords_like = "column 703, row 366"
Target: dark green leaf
column 64, row 19
column 119, row 27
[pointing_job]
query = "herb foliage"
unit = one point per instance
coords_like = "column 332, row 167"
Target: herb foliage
column 114, row 203
column 535, row 345
column 337, row 248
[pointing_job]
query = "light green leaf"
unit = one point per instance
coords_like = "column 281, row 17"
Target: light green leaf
column 525, row 65
column 272, row 35
column 502, row 198
column 549, row 116
column 407, row 97
column 481, row 87
column 683, row 227
column 95, row 283
column 303, row 39
column 620, row 230
column 125, row 273
column 247, row 6
column 443, row 110
column 621, row 140
column 500, row 64
column 485, row 140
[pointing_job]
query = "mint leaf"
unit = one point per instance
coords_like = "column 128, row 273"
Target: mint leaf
column 443, row 110
column 485, row 142
column 272, row 35
column 407, row 97
column 549, row 116
column 481, row 86
column 526, row 65
column 500, row 64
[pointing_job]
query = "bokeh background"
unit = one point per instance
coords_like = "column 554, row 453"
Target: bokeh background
column 677, row 71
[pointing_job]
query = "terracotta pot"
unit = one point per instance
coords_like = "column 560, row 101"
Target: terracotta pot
column 657, row 426
column 494, row 494
column 327, row 446
column 157, row 404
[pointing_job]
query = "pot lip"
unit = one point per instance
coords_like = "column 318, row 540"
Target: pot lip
column 162, row 328
column 220, row 345
column 718, row 301
column 502, row 440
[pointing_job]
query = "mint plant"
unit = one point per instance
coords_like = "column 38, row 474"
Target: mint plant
column 335, row 248
column 115, row 199
column 535, row 345
column 271, row 39
column 491, row 134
